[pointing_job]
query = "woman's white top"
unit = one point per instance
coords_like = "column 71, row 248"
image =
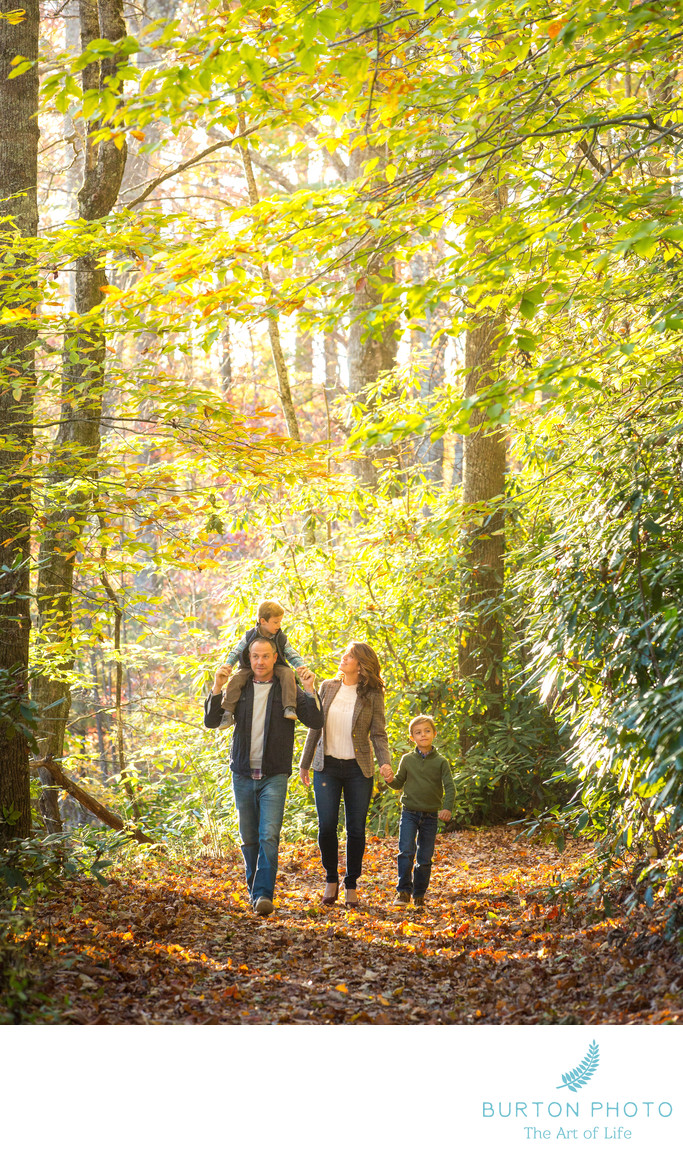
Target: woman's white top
column 339, row 723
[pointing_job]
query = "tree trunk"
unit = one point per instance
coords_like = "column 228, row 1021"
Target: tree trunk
column 73, row 460
column 330, row 383
column 303, row 362
column 120, row 749
column 226, row 363
column 480, row 651
column 19, row 202
column 303, row 338
column 369, row 355
column 273, row 326
column 428, row 364
column 274, row 333
column 99, row 722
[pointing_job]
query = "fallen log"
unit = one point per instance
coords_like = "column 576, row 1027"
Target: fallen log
column 110, row 818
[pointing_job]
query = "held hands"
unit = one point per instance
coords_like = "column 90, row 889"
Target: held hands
column 220, row 678
column 386, row 773
column 307, row 679
column 445, row 816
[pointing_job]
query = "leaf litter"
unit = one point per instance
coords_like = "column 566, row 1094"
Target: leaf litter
column 175, row 942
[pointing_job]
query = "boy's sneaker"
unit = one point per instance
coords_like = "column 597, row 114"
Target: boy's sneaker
column 290, row 713
column 402, row 896
column 226, row 720
column 418, row 900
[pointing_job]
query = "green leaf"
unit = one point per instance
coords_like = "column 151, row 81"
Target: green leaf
column 20, row 68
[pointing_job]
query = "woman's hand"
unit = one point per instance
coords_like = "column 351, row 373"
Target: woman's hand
column 307, row 679
column 386, row 773
column 305, row 776
column 445, row 816
column 220, row 678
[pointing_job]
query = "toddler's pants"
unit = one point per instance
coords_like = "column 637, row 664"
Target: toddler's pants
column 239, row 679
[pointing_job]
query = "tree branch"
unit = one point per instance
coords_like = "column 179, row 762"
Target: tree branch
column 335, row 159
column 256, row 158
column 86, row 800
column 187, row 164
column 271, row 171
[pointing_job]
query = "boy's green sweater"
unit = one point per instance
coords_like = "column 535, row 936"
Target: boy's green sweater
column 427, row 782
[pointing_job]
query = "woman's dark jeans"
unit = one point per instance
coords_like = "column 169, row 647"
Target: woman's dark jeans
column 341, row 777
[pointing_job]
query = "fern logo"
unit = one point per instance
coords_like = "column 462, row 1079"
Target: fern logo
column 575, row 1079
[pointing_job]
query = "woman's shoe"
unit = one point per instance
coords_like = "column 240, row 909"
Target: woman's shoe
column 331, row 893
column 350, row 898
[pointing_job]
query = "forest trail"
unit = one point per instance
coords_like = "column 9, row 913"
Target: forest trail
column 176, row 943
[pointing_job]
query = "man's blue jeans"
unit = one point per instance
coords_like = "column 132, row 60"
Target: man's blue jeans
column 421, row 826
column 260, row 807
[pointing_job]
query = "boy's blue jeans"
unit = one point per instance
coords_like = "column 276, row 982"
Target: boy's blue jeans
column 420, row 826
column 260, row 808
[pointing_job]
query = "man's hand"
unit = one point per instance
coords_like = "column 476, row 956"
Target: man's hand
column 305, row 776
column 307, row 679
column 445, row 816
column 386, row 773
column 220, row 678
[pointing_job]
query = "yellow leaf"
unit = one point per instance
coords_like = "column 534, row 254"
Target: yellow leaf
column 390, row 173
column 341, row 988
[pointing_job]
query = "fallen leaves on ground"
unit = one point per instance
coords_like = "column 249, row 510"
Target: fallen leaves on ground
column 176, row 942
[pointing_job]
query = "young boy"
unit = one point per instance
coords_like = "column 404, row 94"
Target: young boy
column 269, row 625
column 428, row 794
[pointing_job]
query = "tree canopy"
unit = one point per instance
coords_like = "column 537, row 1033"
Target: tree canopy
column 373, row 308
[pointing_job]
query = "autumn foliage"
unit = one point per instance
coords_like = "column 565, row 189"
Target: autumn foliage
column 176, row 942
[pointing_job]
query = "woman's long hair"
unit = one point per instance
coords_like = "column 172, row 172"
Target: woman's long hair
column 369, row 675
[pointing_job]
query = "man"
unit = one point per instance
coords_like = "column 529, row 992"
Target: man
column 261, row 761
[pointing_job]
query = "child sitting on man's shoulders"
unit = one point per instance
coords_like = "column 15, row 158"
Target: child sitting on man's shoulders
column 268, row 626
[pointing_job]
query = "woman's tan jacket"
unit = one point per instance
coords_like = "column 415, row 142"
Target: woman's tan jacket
column 369, row 725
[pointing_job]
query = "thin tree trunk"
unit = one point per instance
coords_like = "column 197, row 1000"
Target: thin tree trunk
column 369, row 356
column 330, row 386
column 273, row 326
column 480, row 649
column 303, row 362
column 97, row 702
column 428, row 366
column 118, row 615
column 19, row 202
column 226, row 362
column 274, row 330
column 73, row 460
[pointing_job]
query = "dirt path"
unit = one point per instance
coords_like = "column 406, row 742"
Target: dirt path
column 177, row 943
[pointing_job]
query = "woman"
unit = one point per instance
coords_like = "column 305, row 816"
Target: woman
column 341, row 756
